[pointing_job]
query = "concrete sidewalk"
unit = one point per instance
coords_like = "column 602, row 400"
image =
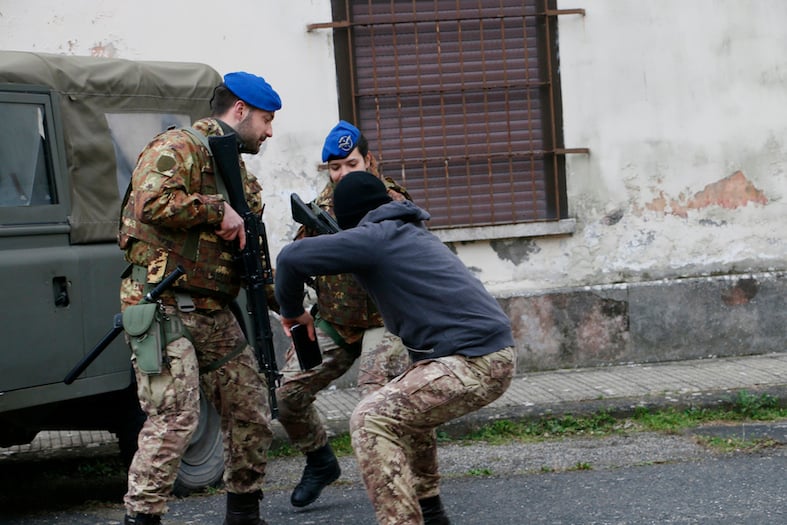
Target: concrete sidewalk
column 617, row 389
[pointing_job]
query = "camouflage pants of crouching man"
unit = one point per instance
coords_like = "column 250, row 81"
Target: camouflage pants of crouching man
column 171, row 402
column 382, row 357
column 386, row 424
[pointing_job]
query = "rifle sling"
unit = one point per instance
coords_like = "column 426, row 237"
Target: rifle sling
column 328, row 328
column 190, row 248
column 218, row 363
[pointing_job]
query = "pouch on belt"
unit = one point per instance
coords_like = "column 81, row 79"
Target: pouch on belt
column 142, row 323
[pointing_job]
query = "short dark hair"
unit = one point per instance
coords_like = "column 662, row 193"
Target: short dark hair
column 363, row 145
column 222, row 100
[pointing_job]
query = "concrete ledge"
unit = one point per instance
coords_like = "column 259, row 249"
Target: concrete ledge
column 658, row 321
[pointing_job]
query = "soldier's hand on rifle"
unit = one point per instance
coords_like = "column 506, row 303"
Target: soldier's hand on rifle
column 232, row 226
column 305, row 319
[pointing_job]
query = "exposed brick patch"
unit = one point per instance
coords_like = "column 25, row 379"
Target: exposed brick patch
column 731, row 192
column 734, row 191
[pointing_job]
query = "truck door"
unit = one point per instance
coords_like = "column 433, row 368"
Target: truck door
column 40, row 319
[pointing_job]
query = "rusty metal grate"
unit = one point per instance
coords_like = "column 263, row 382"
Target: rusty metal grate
column 458, row 100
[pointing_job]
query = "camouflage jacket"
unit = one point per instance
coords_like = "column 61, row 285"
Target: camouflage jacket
column 340, row 299
column 173, row 210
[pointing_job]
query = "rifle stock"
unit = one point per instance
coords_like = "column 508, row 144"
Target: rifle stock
column 254, row 274
column 312, row 216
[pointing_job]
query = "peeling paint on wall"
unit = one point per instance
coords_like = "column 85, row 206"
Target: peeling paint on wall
column 734, row 191
column 742, row 292
column 514, row 250
column 650, row 322
column 731, row 192
column 569, row 329
column 104, row 50
column 612, row 217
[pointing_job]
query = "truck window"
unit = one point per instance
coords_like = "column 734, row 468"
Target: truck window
column 25, row 169
column 131, row 132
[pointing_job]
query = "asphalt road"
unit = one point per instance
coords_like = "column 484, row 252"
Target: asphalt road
column 641, row 478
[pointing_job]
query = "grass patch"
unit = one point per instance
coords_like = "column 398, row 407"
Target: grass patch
column 341, row 445
column 502, row 431
column 582, row 465
column 744, row 406
column 736, row 444
column 282, row 450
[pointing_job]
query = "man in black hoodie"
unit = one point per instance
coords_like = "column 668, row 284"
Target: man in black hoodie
column 457, row 335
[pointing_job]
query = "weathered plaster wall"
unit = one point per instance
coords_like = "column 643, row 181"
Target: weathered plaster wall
column 679, row 249
column 682, row 108
column 682, row 105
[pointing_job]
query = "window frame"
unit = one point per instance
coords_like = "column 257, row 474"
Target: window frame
column 561, row 223
column 50, row 213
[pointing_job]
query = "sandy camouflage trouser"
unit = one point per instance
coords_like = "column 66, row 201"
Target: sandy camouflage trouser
column 382, row 357
column 171, row 402
column 393, row 428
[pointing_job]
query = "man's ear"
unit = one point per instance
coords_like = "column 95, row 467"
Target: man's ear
column 239, row 111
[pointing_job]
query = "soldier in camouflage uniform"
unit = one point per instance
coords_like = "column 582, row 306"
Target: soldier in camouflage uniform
column 457, row 335
column 348, row 328
column 174, row 214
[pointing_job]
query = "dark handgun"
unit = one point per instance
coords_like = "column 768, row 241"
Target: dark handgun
column 254, row 274
column 312, row 216
column 117, row 325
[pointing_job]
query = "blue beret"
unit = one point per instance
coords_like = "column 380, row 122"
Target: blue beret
column 253, row 90
column 340, row 141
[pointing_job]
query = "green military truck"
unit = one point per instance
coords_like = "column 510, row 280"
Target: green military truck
column 70, row 132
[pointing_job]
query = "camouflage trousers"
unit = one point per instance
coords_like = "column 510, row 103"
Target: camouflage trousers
column 382, row 357
column 171, row 402
column 393, row 429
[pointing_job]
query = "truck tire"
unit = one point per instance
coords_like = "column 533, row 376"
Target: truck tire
column 202, row 465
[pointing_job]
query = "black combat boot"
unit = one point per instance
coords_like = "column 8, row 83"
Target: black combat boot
column 244, row 509
column 142, row 519
column 321, row 470
column 433, row 511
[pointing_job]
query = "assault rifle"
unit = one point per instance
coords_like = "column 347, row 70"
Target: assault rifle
column 312, row 216
column 117, row 325
column 254, row 274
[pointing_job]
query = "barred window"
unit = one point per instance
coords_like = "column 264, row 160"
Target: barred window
column 460, row 102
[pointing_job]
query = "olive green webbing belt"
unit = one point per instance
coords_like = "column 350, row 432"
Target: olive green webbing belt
column 215, row 365
column 140, row 275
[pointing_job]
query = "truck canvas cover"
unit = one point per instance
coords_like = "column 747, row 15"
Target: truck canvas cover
column 93, row 96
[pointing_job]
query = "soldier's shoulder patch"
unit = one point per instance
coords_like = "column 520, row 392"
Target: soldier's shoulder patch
column 165, row 163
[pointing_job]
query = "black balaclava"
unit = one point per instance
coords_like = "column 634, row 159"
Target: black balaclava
column 355, row 195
